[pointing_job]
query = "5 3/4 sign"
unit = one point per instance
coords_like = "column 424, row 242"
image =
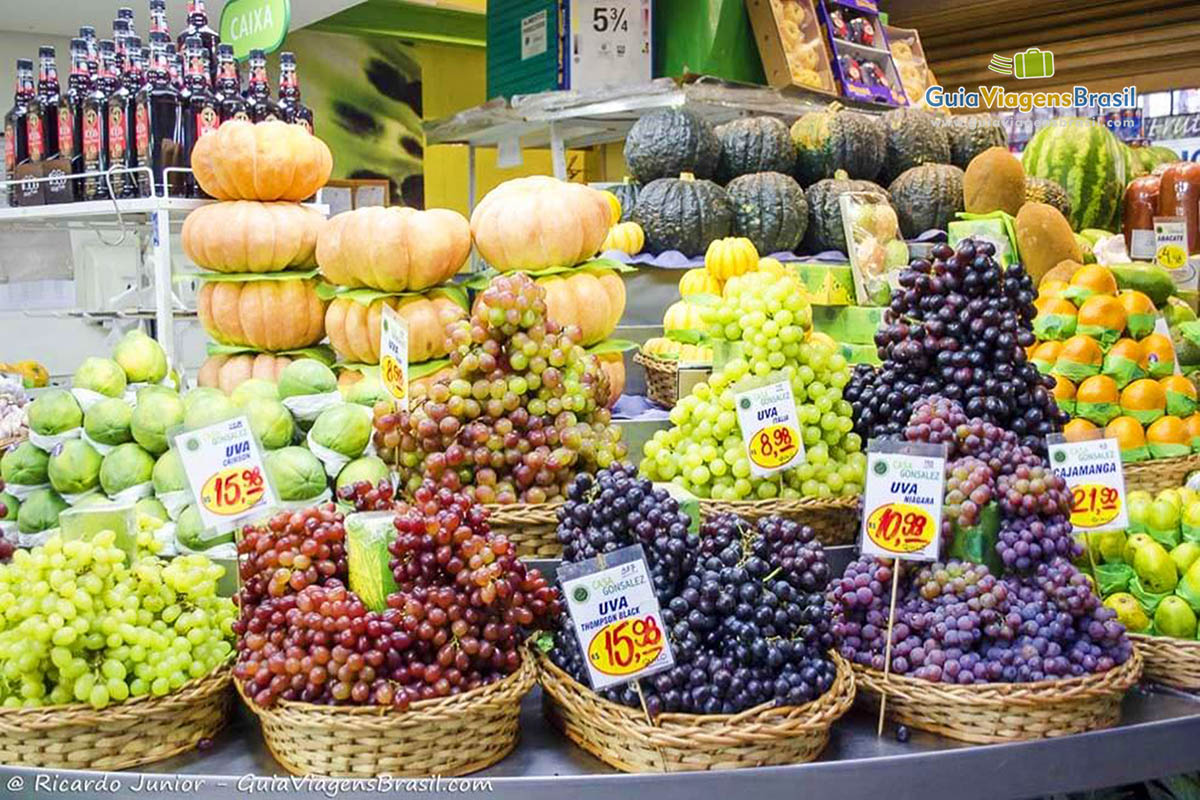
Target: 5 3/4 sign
column 609, row 18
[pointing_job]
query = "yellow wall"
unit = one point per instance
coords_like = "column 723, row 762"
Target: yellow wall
column 455, row 78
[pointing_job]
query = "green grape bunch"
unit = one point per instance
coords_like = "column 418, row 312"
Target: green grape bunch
column 81, row 624
column 768, row 323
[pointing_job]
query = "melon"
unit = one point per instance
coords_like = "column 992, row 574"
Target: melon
column 1086, row 160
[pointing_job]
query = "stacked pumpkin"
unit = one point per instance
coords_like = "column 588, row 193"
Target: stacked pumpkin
column 1112, row 369
column 397, row 257
column 259, row 299
column 553, row 230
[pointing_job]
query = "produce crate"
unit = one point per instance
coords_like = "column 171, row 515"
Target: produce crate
column 448, row 736
column 621, row 737
column 1160, row 473
column 835, row 521
column 1004, row 712
column 137, row 731
column 530, row 526
column 1168, row 660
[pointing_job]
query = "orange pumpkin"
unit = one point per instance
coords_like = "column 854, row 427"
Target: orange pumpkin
column 354, row 328
column 246, row 236
column 394, row 249
column 613, row 367
column 537, row 222
column 265, row 161
column 227, row 372
column 267, row 315
column 593, row 300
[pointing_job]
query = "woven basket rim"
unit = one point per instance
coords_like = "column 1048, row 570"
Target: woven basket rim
column 784, row 505
column 522, row 513
column 821, row 712
column 11, row 440
column 83, row 713
column 1156, row 464
column 652, row 361
column 1117, row 679
column 525, row 673
column 1172, row 642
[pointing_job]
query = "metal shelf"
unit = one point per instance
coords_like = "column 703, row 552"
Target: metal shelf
column 133, row 210
column 1155, row 738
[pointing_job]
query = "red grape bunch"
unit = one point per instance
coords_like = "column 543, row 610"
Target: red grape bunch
column 462, row 608
column 521, row 412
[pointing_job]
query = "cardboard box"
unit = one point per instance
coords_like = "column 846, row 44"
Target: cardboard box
column 848, row 324
column 826, row 284
column 545, row 45
column 789, row 43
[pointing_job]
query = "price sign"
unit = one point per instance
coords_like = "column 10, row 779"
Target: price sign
column 1093, row 472
column 1170, row 242
column 393, row 354
column 770, row 430
column 224, row 467
column 616, row 617
column 902, row 512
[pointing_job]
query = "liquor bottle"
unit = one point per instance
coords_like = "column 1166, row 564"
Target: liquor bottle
column 175, row 67
column 16, row 135
column 122, row 122
column 42, row 122
column 95, row 123
column 160, row 143
column 88, row 34
column 202, row 115
column 121, row 34
column 70, row 112
column 293, row 110
column 258, row 92
column 230, row 101
column 158, row 19
column 198, row 26
column 126, row 13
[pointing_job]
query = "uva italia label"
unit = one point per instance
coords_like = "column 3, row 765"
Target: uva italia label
column 770, row 429
column 1093, row 473
column 902, row 500
column 393, row 355
column 224, row 467
column 616, row 617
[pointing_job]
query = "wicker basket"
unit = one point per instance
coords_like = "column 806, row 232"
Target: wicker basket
column 137, row 731
column 1004, row 712
column 11, row 441
column 662, row 378
column 1169, row 661
column 621, row 737
column 1160, row 473
column 448, row 736
column 835, row 521
column 530, row 526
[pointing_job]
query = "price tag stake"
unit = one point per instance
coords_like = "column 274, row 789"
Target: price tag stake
column 393, row 355
column 902, row 516
column 223, row 463
column 770, row 428
column 1093, row 472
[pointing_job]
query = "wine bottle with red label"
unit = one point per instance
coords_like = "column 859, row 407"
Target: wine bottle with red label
column 95, row 123
column 88, row 34
column 198, row 26
column 232, row 103
column 42, row 122
column 262, row 107
column 202, row 114
column 294, row 111
column 122, row 134
column 16, row 132
column 70, row 113
column 160, row 104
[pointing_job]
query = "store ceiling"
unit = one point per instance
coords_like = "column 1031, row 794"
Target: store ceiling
column 1103, row 44
column 63, row 17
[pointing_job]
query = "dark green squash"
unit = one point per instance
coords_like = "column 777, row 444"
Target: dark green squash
column 627, row 193
column 769, row 209
column 825, row 231
column 683, row 214
column 971, row 134
column 914, row 137
column 836, row 139
column 927, row 198
column 671, row 141
column 754, row 144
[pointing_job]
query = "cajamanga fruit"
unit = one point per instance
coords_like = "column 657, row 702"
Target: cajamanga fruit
column 1076, row 429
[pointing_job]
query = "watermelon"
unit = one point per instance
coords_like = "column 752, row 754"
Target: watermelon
column 1087, row 161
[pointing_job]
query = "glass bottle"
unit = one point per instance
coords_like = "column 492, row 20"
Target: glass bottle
column 95, row 123
column 175, row 67
column 159, row 104
column 42, row 122
column 121, row 34
column 122, row 122
column 88, row 34
column 158, row 19
column 203, row 115
column 16, row 134
column 197, row 25
column 126, row 13
column 230, row 101
column 294, row 111
column 258, row 92
column 70, row 112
